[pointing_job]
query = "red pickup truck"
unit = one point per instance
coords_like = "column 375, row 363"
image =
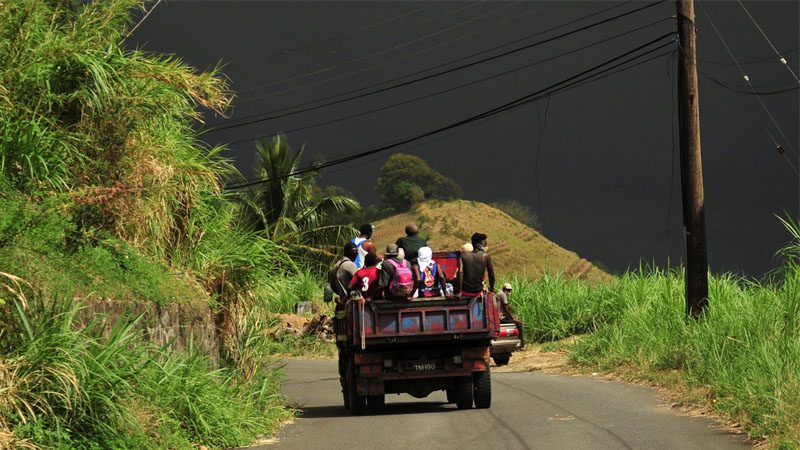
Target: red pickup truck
column 417, row 347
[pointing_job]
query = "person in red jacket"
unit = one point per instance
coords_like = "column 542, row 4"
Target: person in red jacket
column 365, row 280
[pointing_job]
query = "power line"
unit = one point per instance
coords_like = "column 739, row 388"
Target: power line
column 593, row 78
column 359, row 44
column 418, row 52
column 335, row 38
column 461, row 86
column 744, row 63
column 747, row 80
column 742, row 90
column 418, row 72
column 781, row 59
column 516, row 103
column 358, row 59
column 142, row 20
column 437, row 74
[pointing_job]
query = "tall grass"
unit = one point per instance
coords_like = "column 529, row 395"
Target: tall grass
column 63, row 385
column 745, row 350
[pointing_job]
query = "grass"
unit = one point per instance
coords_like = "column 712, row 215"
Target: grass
column 745, row 352
column 38, row 245
column 64, row 385
column 515, row 247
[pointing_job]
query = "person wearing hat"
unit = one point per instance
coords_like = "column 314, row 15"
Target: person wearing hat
column 501, row 299
column 393, row 261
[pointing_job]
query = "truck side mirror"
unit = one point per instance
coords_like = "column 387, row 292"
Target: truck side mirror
column 327, row 294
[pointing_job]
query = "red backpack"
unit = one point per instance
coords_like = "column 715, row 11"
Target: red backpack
column 402, row 281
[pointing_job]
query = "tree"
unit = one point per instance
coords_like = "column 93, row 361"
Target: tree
column 288, row 209
column 406, row 180
column 520, row 212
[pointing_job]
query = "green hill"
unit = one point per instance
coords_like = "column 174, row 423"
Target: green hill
column 515, row 247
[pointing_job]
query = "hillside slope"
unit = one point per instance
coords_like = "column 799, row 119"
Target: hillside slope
column 515, row 248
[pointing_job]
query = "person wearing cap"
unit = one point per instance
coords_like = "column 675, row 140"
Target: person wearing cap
column 473, row 266
column 501, row 299
column 393, row 257
column 364, row 244
column 411, row 242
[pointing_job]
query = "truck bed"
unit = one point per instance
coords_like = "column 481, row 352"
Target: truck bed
column 423, row 320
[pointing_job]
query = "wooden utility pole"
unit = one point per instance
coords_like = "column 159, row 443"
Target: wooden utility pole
column 694, row 221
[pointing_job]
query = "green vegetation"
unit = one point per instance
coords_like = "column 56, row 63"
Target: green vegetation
column 745, row 351
column 65, row 385
column 288, row 210
column 407, row 180
column 107, row 192
column 521, row 213
column 516, row 248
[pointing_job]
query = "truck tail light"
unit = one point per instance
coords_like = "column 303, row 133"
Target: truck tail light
column 503, row 333
column 513, row 332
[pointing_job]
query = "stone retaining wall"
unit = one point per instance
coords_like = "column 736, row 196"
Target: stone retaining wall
column 176, row 325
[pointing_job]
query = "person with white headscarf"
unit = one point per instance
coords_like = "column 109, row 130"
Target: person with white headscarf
column 429, row 280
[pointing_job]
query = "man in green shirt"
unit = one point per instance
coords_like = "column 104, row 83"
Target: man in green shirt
column 411, row 243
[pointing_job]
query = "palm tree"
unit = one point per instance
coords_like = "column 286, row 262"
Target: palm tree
column 287, row 209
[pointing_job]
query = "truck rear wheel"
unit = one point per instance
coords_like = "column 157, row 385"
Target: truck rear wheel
column 375, row 403
column 483, row 388
column 464, row 393
column 451, row 395
column 358, row 403
column 502, row 359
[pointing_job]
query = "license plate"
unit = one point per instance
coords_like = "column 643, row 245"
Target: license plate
column 425, row 366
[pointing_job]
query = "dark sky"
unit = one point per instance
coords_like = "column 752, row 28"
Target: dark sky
column 604, row 185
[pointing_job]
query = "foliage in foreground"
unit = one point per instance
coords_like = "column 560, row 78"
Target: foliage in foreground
column 63, row 385
column 745, row 350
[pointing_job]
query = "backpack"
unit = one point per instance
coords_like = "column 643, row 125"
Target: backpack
column 432, row 289
column 334, row 284
column 402, row 281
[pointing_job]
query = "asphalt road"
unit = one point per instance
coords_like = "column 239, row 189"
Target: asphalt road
column 529, row 411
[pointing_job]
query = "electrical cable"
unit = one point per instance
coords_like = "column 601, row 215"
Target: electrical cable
column 744, row 63
column 361, row 58
column 437, row 74
column 339, row 36
column 674, row 91
column 450, row 89
column 747, row 92
column 142, row 20
column 418, row 52
column 747, row 80
column 540, row 129
column 521, row 101
column 781, row 59
column 595, row 77
column 418, row 72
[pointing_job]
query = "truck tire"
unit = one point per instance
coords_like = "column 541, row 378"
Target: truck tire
column 483, row 389
column 451, row 395
column 375, row 403
column 464, row 393
column 501, row 359
column 358, row 403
